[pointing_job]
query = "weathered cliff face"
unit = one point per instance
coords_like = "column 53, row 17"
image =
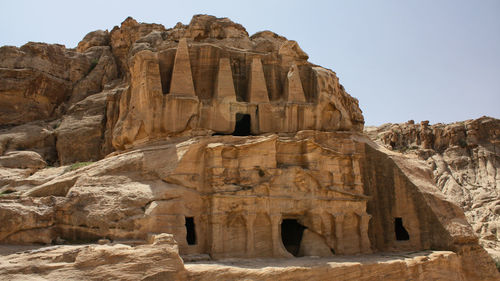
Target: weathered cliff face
column 38, row 78
column 465, row 161
column 44, row 87
column 238, row 192
column 199, row 79
column 234, row 145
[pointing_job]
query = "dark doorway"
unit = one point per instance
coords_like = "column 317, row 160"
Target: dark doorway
column 190, row 231
column 401, row 233
column 393, row 145
column 291, row 235
column 243, row 125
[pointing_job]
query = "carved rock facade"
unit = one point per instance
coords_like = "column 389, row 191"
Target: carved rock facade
column 209, row 88
column 235, row 145
column 243, row 191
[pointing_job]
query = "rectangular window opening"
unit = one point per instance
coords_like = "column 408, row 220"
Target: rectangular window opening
column 400, row 230
column 190, row 231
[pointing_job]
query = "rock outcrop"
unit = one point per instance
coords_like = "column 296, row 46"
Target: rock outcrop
column 465, row 161
column 234, row 145
column 200, row 81
column 97, row 262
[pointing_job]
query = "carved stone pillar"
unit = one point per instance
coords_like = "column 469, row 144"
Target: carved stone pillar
column 250, row 220
column 275, row 222
column 364, row 219
column 327, row 232
column 316, row 221
column 339, row 232
column 217, row 221
column 356, row 170
column 201, row 232
column 278, row 248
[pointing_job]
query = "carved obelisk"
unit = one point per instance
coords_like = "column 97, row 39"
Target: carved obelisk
column 224, row 88
column 293, row 86
column 257, row 89
column 182, row 78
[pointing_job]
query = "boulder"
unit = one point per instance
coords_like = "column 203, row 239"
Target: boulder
column 22, row 160
column 92, row 39
column 36, row 136
column 80, row 137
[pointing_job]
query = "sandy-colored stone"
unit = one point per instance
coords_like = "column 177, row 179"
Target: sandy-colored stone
column 257, row 89
column 92, row 39
column 293, row 87
column 182, row 79
column 313, row 244
column 123, row 37
column 234, row 146
column 464, row 163
column 239, row 194
column 96, row 262
column 36, row 79
column 224, row 90
column 103, row 71
column 420, row 265
column 80, row 136
column 22, row 160
column 204, row 96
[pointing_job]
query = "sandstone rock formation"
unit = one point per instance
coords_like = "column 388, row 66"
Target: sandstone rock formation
column 465, row 160
column 414, row 266
column 235, row 145
column 97, row 262
column 203, row 86
column 120, row 261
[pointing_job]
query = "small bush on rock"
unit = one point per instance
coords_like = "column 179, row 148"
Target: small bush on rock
column 76, row 166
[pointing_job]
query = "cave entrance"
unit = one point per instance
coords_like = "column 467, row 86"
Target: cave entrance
column 243, row 125
column 400, row 230
column 291, row 235
column 190, row 231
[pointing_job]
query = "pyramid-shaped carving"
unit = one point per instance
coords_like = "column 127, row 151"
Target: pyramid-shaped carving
column 293, row 87
column 257, row 89
column 224, row 87
column 182, row 78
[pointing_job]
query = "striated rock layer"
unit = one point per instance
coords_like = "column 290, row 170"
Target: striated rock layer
column 234, row 145
column 95, row 262
column 119, row 261
column 465, row 160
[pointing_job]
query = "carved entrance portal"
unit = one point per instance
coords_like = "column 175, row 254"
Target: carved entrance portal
column 190, row 231
column 400, row 230
column 291, row 235
column 243, row 125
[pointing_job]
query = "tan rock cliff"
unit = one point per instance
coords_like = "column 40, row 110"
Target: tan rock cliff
column 465, row 161
column 235, row 146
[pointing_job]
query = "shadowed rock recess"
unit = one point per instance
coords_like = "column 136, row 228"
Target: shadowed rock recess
column 465, row 161
column 205, row 143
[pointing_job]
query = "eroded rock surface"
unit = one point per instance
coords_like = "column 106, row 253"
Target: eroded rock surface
column 234, row 145
column 465, row 159
column 201, row 77
column 96, row 262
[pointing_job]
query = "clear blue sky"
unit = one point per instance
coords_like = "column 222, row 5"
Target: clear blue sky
column 422, row 60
